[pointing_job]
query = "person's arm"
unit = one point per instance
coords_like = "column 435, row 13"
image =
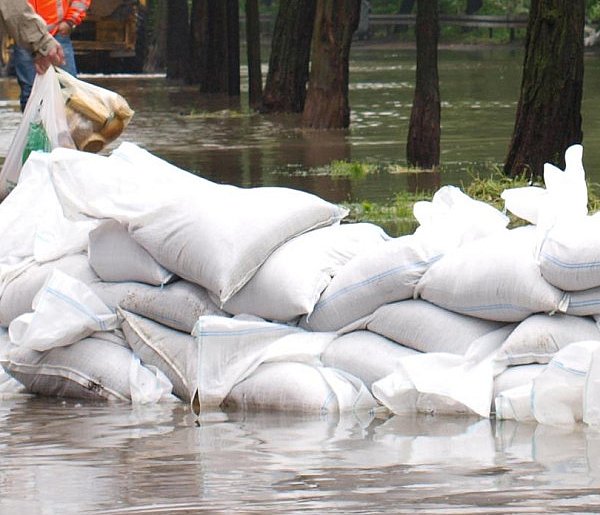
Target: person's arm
column 75, row 14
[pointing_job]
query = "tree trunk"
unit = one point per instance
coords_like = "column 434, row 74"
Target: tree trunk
column 406, row 7
column 327, row 105
column 156, row 38
column 548, row 118
column 209, row 46
column 285, row 88
column 233, row 48
column 178, row 39
column 473, row 6
column 253, row 49
column 423, row 145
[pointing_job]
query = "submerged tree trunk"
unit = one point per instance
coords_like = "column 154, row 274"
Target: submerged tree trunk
column 253, row 49
column 327, row 105
column 178, row 40
column 548, row 116
column 285, row 88
column 423, row 145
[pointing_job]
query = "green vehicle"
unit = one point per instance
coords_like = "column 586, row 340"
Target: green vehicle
column 111, row 39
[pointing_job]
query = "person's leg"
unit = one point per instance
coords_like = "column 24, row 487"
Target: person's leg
column 70, row 65
column 25, row 70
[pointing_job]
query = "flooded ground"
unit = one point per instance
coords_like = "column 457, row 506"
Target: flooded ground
column 74, row 457
column 70, row 457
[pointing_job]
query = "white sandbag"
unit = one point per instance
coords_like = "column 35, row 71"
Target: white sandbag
column 89, row 369
column 515, row 403
column 438, row 383
column 452, row 219
column 299, row 387
column 496, row 278
column 570, row 254
column 65, row 310
column 230, row 349
column 214, row 235
column 377, row 276
column 565, row 195
column 173, row 352
column 31, row 219
column 292, row 279
column 444, row 383
column 443, row 331
column 366, row 355
column 8, row 384
column 177, row 305
column 20, row 291
column 557, row 396
column 591, row 392
column 539, row 337
column 516, row 376
column 584, row 302
column 116, row 257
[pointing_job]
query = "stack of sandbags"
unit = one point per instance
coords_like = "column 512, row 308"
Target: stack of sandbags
column 261, row 299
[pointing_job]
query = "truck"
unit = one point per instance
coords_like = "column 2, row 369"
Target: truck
column 111, row 39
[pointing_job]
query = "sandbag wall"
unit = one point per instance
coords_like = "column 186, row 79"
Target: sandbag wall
column 126, row 278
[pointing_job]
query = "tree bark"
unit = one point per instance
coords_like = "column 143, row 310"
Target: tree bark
column 423, row 144
column 209, row 46
column 548, row 118
column 285, row 87
column 233, row 48
column 327, row 105
column 473, row 6
column 157, row 36
column 253, row 53
column 178, row 38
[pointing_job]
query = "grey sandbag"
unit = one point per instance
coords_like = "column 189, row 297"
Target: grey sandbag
column 426, row 327
column 366, row 355
column 177, row 305
column 116, row 257
column 173, row 352
column 93, row 368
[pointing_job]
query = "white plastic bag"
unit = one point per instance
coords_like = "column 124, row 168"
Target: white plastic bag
column 45, row 106
column 65, row 311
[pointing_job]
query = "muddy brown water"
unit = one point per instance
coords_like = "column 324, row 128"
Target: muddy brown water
column 67, row 456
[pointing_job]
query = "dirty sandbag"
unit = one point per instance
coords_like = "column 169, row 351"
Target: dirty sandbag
column 43, row 127
column 96, row 116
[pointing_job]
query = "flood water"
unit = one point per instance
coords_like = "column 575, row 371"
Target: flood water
column 81, row 457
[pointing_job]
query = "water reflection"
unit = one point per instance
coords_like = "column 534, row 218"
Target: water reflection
column 73, row 457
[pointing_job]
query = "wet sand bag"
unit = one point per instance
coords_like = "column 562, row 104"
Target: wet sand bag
column 116, row 257
column 494, row 278
column 516, row 376
column 173, row 352
column 95, row 116
column 90, row 369
column 539, row 337
column 177, row 305
column 214, row 235
column 365, row 355
column 301, row 388
column 426, row 327
column 290, row 281
column 231, row 349
column 376, row 276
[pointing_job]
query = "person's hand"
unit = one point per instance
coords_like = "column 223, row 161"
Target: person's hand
column 55, row 57
column 64, row 29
